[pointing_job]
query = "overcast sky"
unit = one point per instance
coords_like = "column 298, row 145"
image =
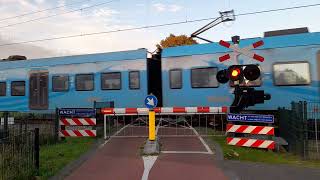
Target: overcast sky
column 120, row 14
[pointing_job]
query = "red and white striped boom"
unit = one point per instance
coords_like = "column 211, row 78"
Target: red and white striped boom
column 165, row 110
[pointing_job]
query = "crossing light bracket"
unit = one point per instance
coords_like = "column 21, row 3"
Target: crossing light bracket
column 247, row 96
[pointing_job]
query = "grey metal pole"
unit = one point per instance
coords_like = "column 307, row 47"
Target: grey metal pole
column 316, row 129
column 105, row 127
column 37, row 150
column 5, row 124
column 56, row 126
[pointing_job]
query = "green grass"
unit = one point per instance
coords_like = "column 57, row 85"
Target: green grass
column 261, row 155
column 54, row 157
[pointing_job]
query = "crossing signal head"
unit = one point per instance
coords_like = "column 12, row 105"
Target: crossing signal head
column 239, row 73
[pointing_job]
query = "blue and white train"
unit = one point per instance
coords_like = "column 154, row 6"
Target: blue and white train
column 178, row 76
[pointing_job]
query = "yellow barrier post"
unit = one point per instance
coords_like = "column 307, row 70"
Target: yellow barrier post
column 152, row 125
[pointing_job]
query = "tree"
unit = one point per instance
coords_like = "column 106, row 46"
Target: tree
column 172, row 41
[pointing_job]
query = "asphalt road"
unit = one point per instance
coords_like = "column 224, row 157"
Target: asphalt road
column 181, row 158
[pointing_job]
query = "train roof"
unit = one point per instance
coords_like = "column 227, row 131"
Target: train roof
column 293, row 40
column 76, row 59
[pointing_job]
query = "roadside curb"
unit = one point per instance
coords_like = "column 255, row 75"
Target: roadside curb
column 219, row 159
column 69, row 168
column 218, row 153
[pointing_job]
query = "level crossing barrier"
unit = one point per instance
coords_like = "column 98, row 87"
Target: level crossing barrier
column 170, row 121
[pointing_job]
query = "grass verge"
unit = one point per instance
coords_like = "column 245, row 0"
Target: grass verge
column 54, row 157
column 261, row 155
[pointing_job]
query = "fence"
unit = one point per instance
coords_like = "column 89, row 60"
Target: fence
column 24, row 122
column 170, row 122
column 19, row 156
column 300, row 127
column 19, row 143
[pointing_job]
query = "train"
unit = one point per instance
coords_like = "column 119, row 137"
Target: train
column 183, row 76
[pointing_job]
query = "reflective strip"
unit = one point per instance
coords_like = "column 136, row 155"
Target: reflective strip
column 71, row 133
column 249, row 142
column 233, row 128
column 119, row 110
column 142, row 110
column 191, row 109
column 234, row 141
column 265, row 130
column 249, row 129
column 215, row 109
column 266, row 144
column 167, row 110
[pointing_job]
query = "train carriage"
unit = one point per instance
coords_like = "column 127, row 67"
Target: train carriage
column 74, row 81
column 290, row 72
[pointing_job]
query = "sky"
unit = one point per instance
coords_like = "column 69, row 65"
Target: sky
column 122, row 14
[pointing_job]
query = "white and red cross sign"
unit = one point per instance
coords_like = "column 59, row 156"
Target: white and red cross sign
column 245, row 51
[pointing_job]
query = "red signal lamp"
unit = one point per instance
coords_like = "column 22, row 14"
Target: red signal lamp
column 235, row 73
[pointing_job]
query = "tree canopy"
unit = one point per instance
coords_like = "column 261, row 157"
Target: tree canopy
column 173, row 40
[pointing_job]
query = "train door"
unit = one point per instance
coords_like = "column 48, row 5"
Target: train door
column 38, row 90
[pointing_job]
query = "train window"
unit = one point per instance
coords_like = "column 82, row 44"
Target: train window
column 111, row 81
column 292, row 73
column 134, row 80
column 204, row 78
column 3, row 88
column 60, row 83
column 84, row 82
column 175, row 76
column 18, row 88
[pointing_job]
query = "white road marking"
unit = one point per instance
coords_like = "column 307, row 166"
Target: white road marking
column 113, row 136
column 148, row 162
column 201, row 139
column 203, row 142
column 186, row 152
